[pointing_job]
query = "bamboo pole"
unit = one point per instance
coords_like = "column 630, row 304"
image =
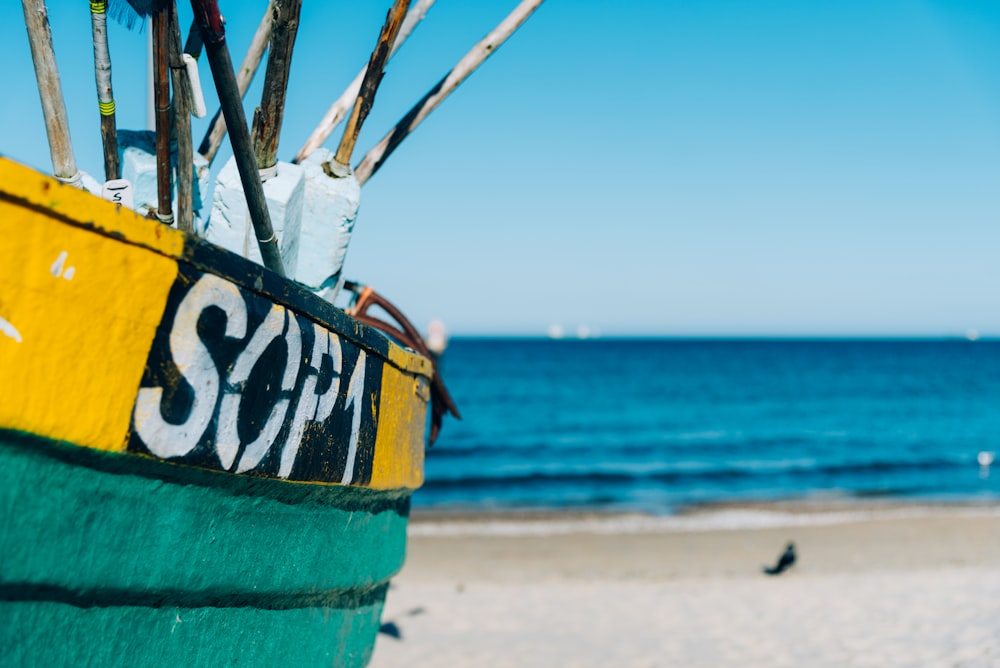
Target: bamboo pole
column 251, row 61
column 161, row 105
column 182, row 127
column 373, row 77
column 36, row 19
column 339, row 108
column 377, row 156
column 105, row 95
column 267, row 118
column 213, row 35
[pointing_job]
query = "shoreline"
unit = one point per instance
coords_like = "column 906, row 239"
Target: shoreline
column 785, row 513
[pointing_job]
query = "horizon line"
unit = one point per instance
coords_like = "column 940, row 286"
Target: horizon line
column 733, row 337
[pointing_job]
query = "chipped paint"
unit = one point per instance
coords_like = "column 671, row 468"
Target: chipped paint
column 11, row 331
column 59, row 268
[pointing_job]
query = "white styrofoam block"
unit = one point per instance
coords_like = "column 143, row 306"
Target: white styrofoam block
column 230, row 225
column 331, row 207
column 90, row 184
column 138, row 164
column 137, row 153
column 202, row 185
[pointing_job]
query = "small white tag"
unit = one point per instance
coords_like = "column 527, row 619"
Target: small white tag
column 198, row 109
column 118, row 191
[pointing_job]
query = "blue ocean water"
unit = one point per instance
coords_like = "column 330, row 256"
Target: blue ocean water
column 659, row 425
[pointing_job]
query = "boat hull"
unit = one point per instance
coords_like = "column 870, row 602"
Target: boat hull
column 200, row 462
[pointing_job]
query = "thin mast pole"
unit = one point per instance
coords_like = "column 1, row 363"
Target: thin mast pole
column 161, row 103
column 105, row 94
column 251, row 61
column 373, row 77
column 213, row 35
column 36, row 20
column 335, row 114
column 473, row 59
column 182, row 126
column 268, row 116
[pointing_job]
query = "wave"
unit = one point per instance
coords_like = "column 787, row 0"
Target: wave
column 594, row 476
column 650, row 442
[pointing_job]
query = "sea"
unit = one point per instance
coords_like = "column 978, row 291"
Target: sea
column 660, row 426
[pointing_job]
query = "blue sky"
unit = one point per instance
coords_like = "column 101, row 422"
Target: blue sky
column 640, row 167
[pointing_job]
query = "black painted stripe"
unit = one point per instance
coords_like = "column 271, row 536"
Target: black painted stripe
column 350, row 498
column 249, row 275
column 340, row 599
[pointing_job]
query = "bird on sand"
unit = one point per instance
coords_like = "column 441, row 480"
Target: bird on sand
column 785, row 561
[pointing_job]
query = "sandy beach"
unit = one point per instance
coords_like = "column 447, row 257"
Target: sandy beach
column 872, row 586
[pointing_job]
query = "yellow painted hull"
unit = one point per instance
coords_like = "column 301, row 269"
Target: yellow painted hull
column 86, row 290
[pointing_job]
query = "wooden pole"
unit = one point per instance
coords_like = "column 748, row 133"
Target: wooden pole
column 182, row 127
column 339, row 108
column 36, row 19
column 214, row 36
column 105, row 95
column 473, row 59
column 373, row 77
column 192, row 46
column 267, row 119
column 251, row 61
column 161, row 104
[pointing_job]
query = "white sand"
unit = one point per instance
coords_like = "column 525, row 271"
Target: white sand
column 876, row 589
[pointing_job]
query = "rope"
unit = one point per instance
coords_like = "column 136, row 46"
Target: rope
column 404, row 332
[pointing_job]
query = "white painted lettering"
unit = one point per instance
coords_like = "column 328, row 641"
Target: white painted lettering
column 213, row 401
column 254, row 452
column 355, row 395
column 195, row 363
column 313, row 407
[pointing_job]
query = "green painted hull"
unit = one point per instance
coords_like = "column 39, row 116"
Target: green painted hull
column 110, row 560
column 56, row 634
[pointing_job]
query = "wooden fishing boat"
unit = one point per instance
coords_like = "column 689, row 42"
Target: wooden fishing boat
column 202, row 461
column 197, row 458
